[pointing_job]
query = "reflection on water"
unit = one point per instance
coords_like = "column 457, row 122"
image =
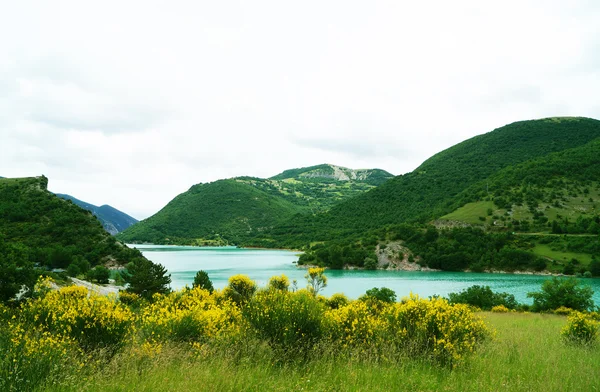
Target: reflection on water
column 221, row 262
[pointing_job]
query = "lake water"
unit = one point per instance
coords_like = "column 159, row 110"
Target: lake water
column 220, row 263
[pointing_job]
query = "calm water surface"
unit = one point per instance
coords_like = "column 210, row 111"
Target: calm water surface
column 220, row 263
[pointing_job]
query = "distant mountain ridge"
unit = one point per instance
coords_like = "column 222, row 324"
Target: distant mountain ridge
column 229, row 211
column 338, row 173
column 113, row 220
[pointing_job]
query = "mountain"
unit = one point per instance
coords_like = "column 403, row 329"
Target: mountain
column 230, row 211
column 436, row 187
column 373, row 177
column 113, row 220
column 37, row 226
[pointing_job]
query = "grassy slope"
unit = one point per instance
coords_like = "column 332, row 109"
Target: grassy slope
column 526, row 355
column 431, row 190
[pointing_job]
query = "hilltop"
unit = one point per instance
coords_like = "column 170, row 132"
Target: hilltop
column 113, row 220
column 232, row 210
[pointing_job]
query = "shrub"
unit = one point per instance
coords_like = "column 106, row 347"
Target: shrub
column 500, row 309
column 281, row 283
column 435, row 329
column 291, row 322
column 483, row 297
column 203, row 281
column 337, row 300
column 563, row 311
column 240, row 289
column 381, row 294
column 92, row 320
column 99, row 273
column 188, row 316
column 557, row 292
column 581, row 329
column 355, row 324
column 316, row 280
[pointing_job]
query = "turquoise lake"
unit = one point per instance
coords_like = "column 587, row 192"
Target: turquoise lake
column 220, row 263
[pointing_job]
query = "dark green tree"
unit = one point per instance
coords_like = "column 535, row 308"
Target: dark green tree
column 146, row 278
column 562, row 292
column 203, row 281
column 382, row 294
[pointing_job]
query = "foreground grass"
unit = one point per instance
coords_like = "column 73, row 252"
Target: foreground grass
column 526, row 355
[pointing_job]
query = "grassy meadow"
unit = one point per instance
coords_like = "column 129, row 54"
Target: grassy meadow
column 243, row 338
column 527, row 354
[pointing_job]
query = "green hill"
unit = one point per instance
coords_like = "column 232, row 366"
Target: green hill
column 230, row 211
column 435, row 187
column 39, row 229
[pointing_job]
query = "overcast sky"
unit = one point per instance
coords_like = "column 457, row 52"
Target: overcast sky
column 129, row 103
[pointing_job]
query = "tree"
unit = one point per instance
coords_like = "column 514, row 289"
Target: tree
column 146, row 278
column 562, row 292
column 99, row 273
column 203, row 281
column 595, row 267
column 316, row 280
column 382, row 294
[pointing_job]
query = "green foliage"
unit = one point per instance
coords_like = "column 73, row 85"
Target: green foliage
column 146, row 278
column 203, row 281
column 382, row 294
column 581, row 329
column 99, row 274
column 557, row 292
column 337, row 301
column 444, row 182
column 39, row 229
column 233, row 210
column 483, row 297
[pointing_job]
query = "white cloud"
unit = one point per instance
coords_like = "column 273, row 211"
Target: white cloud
column 130, row 103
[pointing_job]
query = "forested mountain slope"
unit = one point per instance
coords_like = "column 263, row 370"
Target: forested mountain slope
column 113, row 220
column 232, row 210
column 434, row 188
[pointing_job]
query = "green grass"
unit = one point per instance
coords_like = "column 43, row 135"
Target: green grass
column 471, row 212
column 560, row 256
column 527, row 354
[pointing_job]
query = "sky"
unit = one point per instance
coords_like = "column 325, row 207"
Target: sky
column 129, row 103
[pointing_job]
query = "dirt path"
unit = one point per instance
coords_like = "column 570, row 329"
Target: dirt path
column 98, row 289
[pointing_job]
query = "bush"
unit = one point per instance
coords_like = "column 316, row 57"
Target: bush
column 500, row 309
column 316, row 280
column 291, row 322
column 483, row 297
column 435, row 329
column 337, row 300
column 563, row 311
column 581, row 329
column 99, row 273
column 281, row 283
column 381, row 294
column 355, row 325
column 92, row 320
column 240, row 289
column 203, row 281
column 562, row 292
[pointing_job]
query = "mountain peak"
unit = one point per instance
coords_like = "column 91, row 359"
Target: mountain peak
column 334, row 172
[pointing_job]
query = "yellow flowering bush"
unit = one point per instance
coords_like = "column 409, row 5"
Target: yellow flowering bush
column 563, row 311
column 279, row 283
column 500, row 309
column 337, row 300
column 240, row 289
column 581, row 329
column 30, row 357
column 355, row 324
column 94, row 321
column 188, row 315
column 435, row 329
column 286, row 320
